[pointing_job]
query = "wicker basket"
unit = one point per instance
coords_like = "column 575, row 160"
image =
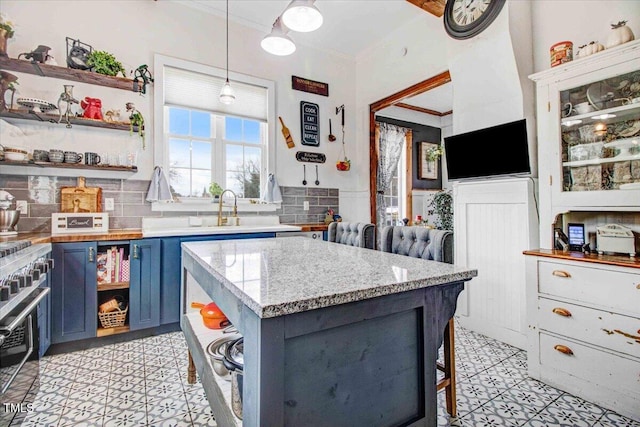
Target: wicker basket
column 114, row 318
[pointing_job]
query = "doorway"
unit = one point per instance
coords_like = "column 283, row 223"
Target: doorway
column 396, row 100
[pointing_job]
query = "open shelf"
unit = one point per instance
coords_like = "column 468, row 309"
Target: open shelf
column 45, row 70
column 53, row 118
column 112, row 286
column 105, row 332
column 217, row 389
column 65, row 169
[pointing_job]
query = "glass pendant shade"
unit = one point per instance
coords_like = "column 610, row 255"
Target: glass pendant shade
column 227, row 96
column 302, row 16
column 278, row 42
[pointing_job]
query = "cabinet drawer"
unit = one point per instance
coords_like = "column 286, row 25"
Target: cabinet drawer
column 608, row 288
column 599, row 367
column 613, row 331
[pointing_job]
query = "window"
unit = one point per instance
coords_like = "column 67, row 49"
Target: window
column 200, row 140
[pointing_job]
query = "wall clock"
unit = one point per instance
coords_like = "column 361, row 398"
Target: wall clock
column 464, row 19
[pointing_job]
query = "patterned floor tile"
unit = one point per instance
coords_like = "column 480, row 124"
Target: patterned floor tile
column 568, row 410
column 203, row 417
column 125, row 418
column 612, row 419
column 42, row 419
column 169, row 407
column 144, row 383
column 78, row 417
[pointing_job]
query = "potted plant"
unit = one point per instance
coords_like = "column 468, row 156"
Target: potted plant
column 215, row 190
column 442, row 207
column 105, row 63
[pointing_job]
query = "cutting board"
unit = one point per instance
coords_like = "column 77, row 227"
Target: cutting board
column 81, row 198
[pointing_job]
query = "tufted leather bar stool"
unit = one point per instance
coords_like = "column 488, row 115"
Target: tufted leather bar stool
column 436, row 245
column 352, row 233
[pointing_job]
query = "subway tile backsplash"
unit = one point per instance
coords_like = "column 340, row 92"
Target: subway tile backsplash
column 42, row 194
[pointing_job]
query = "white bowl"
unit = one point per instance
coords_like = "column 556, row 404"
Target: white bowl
column 14, row 156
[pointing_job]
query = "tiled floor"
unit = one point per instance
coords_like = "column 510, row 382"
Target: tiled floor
column 143, row 383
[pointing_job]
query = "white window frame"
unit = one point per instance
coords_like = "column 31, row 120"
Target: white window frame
column 161, row 148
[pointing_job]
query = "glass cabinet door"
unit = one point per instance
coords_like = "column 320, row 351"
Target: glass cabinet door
column 600, row 129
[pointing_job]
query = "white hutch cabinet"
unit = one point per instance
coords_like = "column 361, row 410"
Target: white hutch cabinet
column 583, row 310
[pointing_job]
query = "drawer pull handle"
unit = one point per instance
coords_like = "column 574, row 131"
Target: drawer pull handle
column 638, row 286
column 560, row 273
column 563, row 349
column 562, row 312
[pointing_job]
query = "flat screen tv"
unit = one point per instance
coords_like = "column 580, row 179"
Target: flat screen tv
column 490, row 152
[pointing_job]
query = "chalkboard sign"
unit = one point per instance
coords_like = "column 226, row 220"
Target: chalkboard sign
column 85, row 222
column 306, row 156
column 309, row 123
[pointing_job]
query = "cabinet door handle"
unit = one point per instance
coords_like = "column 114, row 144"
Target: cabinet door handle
column 563, row 349
column 91, row 255
column 560, row 273
column 638, row 286
column 135, row 252
column 562, row 311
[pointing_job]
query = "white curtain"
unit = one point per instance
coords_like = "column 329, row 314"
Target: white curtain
column 391, row 140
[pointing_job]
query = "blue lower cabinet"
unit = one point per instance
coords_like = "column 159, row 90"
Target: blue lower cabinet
column 170, row 280
column 73, row 292
column 44, row 319
column 144, row 284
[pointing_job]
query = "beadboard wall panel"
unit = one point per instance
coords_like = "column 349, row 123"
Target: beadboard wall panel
column 494, row 222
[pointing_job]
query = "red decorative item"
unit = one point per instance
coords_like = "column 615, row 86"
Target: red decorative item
column 92, row 108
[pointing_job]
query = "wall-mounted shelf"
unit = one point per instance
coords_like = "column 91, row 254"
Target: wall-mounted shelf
column 45, row 70
column 53, row 118
column 65, row 169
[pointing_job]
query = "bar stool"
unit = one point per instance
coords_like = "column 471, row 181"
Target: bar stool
column 352, row 233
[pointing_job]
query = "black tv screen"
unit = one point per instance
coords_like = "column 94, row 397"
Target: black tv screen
column 493, row 151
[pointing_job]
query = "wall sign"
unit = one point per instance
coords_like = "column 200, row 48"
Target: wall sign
column 306, row 85
column 309, row 119
column 309, row 157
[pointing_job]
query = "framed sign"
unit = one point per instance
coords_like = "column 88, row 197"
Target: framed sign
column 306, row 156
column 309, row 123
column 310, row 86
column 427, row 169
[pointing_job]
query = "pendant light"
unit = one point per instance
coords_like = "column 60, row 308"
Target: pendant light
column 227, row 96
column 278, row 42
column 302, row 16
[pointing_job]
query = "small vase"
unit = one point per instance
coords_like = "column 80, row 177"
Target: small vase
column 3, row 42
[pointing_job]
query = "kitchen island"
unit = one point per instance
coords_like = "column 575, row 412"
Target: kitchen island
column 333, row 334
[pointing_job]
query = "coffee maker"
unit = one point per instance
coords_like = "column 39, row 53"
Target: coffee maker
column 8, row 217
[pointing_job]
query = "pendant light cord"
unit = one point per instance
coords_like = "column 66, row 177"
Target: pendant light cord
column 227, row 41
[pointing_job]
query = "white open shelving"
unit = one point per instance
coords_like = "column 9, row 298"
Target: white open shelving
column 217, row 389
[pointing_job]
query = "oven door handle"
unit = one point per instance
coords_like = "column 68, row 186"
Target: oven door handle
column 23, row 314
column 26, row 356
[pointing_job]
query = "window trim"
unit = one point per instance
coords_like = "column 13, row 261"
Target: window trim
column 161, row 150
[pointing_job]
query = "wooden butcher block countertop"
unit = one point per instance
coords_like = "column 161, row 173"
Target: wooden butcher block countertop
column 122, row 234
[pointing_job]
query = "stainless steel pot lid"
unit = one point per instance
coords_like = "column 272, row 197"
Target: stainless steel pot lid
column 216, row 348
column 233, row 353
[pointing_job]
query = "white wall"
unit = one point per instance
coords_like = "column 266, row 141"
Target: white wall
column 136, row 29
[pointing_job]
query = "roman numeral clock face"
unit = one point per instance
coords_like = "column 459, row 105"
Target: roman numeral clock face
column 464, row 19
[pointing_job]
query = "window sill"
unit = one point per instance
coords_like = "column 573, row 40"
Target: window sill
column 210, row 206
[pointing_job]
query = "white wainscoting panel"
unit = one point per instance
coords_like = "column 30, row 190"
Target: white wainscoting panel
column 494, row 221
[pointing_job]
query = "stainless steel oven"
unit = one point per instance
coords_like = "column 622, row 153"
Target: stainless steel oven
column 23, row 288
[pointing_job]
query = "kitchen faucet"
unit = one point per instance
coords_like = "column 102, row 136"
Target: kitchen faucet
column 222, row 221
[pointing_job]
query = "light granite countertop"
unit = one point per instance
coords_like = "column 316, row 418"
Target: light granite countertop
column 280, row 276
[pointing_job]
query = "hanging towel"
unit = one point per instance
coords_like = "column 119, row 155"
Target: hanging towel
column 271, row 193
column 159, row 190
